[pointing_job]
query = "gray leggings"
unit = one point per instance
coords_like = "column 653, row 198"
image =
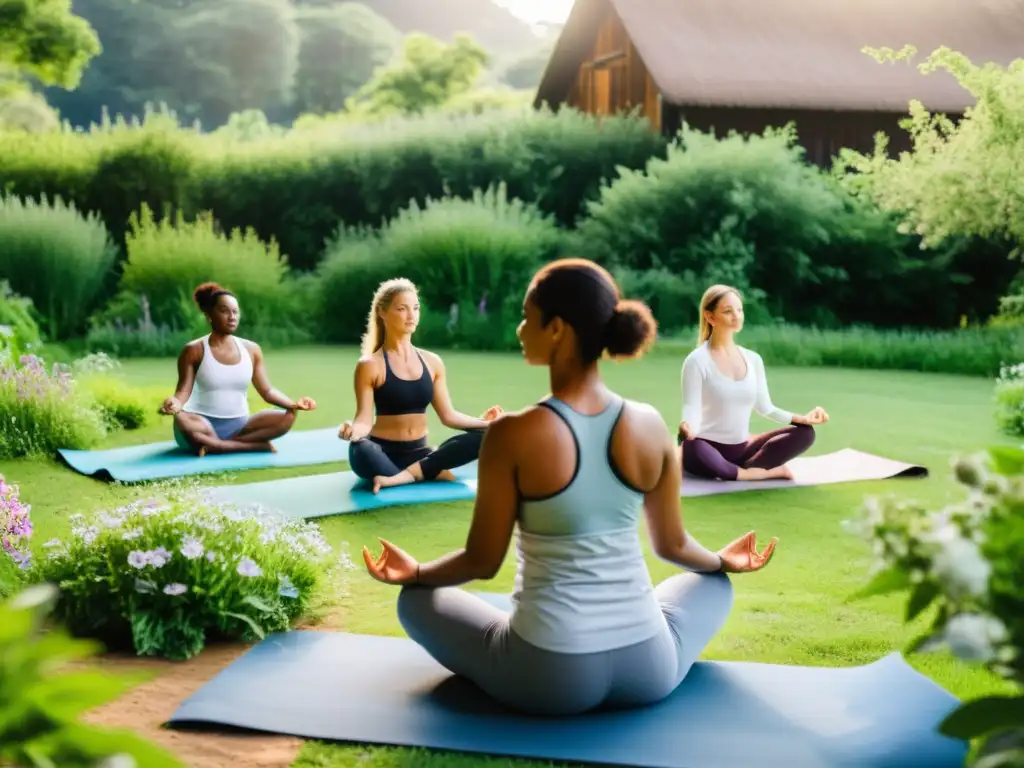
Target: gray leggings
column 471, row 638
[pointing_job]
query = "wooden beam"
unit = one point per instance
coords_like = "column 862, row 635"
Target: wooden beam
column 606, row 59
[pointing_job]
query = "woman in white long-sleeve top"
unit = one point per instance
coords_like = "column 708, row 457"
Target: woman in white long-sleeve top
column 723, row 383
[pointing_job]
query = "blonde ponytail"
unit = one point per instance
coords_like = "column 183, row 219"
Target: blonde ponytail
column 708, row 302
column 376, row 331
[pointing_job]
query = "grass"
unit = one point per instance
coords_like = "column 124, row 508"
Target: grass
column 796, row 611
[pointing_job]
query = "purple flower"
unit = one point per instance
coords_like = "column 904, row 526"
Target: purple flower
column 191, row 548
column 175, row 589
column 138, row 559
column 248, row 567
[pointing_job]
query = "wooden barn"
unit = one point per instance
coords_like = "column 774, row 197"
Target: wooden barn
column 744, row 65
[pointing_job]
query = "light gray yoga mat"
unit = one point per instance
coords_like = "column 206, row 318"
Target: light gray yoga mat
column 339, row 493
column 845, row 466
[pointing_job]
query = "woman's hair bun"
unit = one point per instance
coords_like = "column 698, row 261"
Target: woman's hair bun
column 631, row 331
column 205, row 295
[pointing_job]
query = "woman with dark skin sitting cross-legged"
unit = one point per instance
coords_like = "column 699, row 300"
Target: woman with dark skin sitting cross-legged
column 210, row 405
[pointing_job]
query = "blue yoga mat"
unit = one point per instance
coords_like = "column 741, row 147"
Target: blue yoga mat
column 340, row 493
column 158, row 461
column 387, row 690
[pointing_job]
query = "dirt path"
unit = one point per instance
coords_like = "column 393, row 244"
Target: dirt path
column 146, row 707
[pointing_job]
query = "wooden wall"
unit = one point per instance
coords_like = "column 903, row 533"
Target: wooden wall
column 613, row 78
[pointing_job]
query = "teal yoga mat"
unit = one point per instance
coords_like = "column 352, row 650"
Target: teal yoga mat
column 387, row 690
column 159, row 461
column 339, row 493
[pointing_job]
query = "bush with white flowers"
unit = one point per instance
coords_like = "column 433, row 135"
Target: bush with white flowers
column 966, row 560
column 1009, row 395
column 165, row 576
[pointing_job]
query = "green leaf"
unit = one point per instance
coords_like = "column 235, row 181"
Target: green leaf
column 981, row 716
column 1007, row 460
column 924, row 594
column 258, row 604
column 256, row 628
column 1013, row 758
column 66, row 696
column 107, row 742
column 890, row 580
column 923, row 643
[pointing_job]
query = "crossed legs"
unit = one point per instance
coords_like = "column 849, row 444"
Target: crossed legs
column 250, row 435
column 472, row 638
column 388, row 462
column 763, row 457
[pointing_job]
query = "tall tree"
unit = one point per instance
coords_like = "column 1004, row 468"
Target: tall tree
column 429, row 74
column 44, row 40
column 343, row 45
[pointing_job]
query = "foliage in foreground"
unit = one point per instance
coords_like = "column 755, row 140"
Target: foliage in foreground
column 967, row 562
column 42, row 701
column 164, row 577
column 1009, row 395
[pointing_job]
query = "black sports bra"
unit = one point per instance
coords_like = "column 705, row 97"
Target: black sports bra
column 396, row 397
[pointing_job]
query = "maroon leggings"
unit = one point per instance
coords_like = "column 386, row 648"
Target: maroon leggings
column 722, row 461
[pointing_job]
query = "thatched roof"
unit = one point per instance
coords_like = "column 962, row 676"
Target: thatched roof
column 794, row 53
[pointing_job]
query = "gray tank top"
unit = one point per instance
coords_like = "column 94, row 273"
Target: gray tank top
column 582, row 585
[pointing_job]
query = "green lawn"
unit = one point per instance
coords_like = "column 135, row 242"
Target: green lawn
column 796, row 611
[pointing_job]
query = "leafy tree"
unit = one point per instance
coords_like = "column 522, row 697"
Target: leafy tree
column 343, row 45
column 43, row 39
column 962, row 178
column 429, row 74
column 236, row 54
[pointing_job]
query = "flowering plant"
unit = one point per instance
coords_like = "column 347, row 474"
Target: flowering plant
column 163, row 576
column 967, row 559
column 1009, row 396
column 42, row 410
column 15, row 524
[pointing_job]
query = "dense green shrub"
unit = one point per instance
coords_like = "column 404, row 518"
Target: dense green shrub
column 970, row 351
column 1009, row 395
column 42, row 410
column 750, row 211
column 122, row 405
column 62, row 260
column 19, row 331
column 299, row 189
column 168, row 258
column 164, row 576
column 457, row 251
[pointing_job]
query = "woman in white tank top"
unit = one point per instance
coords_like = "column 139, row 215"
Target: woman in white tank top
column 210, row 405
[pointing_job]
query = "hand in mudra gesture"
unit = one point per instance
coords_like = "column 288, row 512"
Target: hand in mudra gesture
column 492, row 413
column 394, row 566
column 741, row 556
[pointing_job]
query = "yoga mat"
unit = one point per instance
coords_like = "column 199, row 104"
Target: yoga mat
column 158, row 461
column 339, row 493
column 387, row 690
column 844, row 466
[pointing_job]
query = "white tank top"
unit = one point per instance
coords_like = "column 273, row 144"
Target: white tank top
column 221, row 390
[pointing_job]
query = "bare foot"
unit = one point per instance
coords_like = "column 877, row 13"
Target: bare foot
column 756, row 473
column 402, row 478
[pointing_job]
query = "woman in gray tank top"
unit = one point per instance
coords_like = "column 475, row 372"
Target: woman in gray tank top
column 571, row 477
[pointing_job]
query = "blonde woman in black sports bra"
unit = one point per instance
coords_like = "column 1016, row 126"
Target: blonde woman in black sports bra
column 394, row 384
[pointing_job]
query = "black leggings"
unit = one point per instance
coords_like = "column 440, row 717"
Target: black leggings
column 373, row 456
